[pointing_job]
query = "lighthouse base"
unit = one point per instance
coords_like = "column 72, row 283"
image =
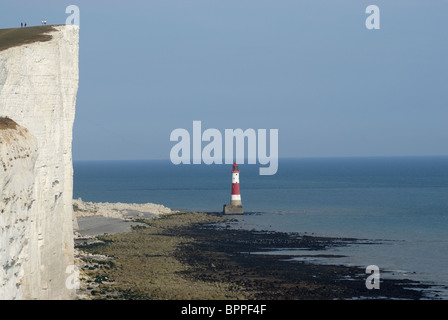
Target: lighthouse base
column 232, row 209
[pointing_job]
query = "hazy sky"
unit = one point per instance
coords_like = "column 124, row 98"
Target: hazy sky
column 310, row 69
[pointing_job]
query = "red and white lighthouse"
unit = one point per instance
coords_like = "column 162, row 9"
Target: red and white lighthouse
column 235, row 206
column 235, row 199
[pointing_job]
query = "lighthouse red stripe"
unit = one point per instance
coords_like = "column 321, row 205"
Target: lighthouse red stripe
column 235, row 188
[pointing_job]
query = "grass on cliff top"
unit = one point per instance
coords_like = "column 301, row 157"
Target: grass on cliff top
column 6, row 123
column 19, row 36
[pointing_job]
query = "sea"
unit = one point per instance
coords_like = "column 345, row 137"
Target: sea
column 398, row 206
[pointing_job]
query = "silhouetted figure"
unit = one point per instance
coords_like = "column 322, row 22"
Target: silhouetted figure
column 25, row 24
column 21, row 24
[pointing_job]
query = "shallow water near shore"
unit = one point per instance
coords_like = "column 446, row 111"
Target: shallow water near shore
column 400, row 255
column 398, row 204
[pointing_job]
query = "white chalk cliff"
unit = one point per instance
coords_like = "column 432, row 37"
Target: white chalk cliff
column 38, row 87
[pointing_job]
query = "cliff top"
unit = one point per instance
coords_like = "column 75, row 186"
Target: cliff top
column 19, row 36
column 6, row 123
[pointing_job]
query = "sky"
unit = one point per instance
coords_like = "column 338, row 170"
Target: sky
column 310, row 69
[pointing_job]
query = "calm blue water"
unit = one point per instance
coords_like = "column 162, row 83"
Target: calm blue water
column 401, row 201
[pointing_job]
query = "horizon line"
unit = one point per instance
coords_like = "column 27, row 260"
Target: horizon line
column 280, row 158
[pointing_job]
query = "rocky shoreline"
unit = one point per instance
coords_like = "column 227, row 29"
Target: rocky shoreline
column 194, row 256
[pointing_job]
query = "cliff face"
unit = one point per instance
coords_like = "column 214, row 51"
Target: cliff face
column 38, row 87
column 18, row 153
